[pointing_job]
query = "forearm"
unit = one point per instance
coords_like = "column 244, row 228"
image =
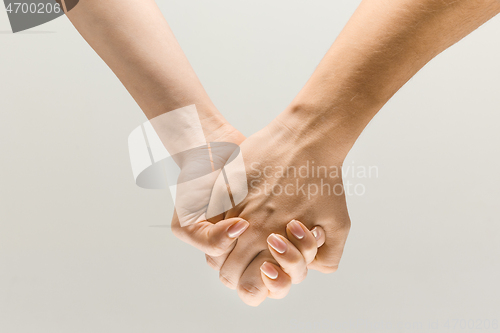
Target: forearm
column 382, row 46
column 135, row 41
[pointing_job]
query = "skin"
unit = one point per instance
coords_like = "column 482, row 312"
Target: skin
column 382, row 46
column 135, row 41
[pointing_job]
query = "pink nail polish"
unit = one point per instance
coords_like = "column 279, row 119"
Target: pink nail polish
column 296, row 229
column 237, row 229
column 315, row 233
column 276, row 243
column 269, row 270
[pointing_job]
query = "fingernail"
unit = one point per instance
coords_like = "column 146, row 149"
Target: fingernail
column 276, row 243
column 269, row 270
column 237, row 229
column 315, row 233
column 296, row 229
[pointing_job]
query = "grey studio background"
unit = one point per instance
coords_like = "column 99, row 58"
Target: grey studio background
column 82, row 248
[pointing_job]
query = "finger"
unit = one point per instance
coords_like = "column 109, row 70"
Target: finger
column 216, row 262
column 319, row 234
column 213, row 239
column 303, row 239
column 247, row 248
column 288, row 257
column 277, row 282
column 329, row 254
column 252, row 287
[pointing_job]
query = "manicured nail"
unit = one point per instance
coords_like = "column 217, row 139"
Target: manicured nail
column 276, row 243
column 269, row 270
column 237, row 229
column 296, row 229
column 315, row 233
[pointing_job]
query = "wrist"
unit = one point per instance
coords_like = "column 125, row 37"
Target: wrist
column 215, row 127
column 333, row 128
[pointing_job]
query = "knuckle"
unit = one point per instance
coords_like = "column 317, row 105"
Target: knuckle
column 299, row 276
column 329, row 269
column 340, row 226
column 227, row 281
column 211, row 262
column 295, row 262
column 250, row 293
column 345, row 226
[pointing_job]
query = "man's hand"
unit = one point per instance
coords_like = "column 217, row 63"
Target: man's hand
column 290, row 176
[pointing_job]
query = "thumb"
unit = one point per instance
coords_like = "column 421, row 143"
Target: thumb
column 214, row 239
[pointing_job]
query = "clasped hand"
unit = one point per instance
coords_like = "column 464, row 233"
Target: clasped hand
column 294, row 217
